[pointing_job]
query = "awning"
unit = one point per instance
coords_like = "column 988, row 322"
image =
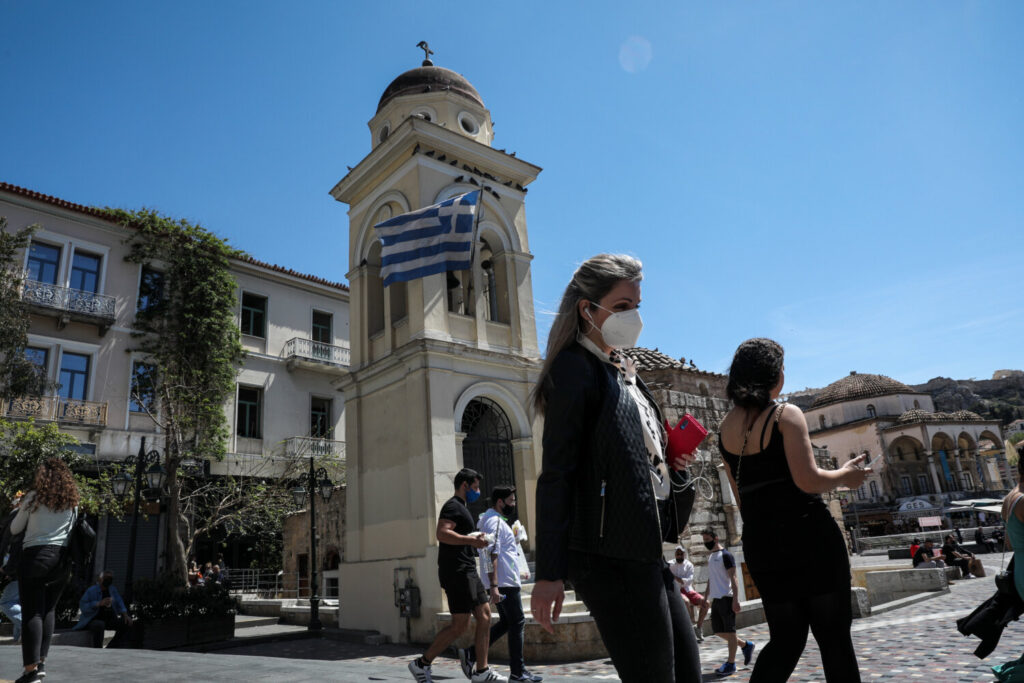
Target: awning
column 994, row 509
column 977, row 502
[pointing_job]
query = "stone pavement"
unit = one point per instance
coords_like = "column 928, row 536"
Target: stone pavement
column 915, row 643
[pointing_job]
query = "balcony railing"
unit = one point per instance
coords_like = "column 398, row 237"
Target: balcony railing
column 56, row 409
column 316, row 352
column 303, row 446
column 73, row 303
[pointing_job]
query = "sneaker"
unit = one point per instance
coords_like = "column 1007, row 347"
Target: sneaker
column 29, row 677
column 40, row 670
column 727, row 669
column 420, row 671
column 466, row 660
column 527, row 676
column 700, row 633
column 488, row 675
column 748, row 652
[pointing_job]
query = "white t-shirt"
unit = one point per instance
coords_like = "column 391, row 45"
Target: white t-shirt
column 505, row 546
column 719, row 585
column 683, row 571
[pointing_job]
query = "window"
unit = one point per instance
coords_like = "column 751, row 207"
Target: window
column 821, row 421
column 916, row 404
column 151, row 289
column 38, row 357
column 899, row 453
column 922, row 484
column 874, row 489
column 250, row 405
column 871, row 410
column 143, row 390
column 968, row 481
column 254, row 315
column 320, row 418
column 74, row 376
column 43, row 263
column 860, row 492
column 85, row 272
column 906, row 486
column 322, row 327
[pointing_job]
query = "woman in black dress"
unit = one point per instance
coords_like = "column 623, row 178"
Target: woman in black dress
column 791, row 544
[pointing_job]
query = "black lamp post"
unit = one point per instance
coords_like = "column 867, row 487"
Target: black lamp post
column 154, row 476
column 315, row 481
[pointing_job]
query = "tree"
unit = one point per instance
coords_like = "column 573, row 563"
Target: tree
column 18, row 375
column 190, row 337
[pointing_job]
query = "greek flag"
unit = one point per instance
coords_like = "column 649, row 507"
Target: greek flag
column 430, row 240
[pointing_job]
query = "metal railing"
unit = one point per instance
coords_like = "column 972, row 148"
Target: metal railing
column 309, row 350
column 73, row 301
column 269, row 584
column 303, row 446
column 55, row 409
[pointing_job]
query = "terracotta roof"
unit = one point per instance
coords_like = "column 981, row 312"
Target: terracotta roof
column 105, row 215
column 856, row 386
column 653, row 359
column 917, row 415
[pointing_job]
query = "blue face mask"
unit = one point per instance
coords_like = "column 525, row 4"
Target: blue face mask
column 472, row 496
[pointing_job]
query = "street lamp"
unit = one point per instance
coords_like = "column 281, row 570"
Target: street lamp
column 317, row 482
column 154, row 477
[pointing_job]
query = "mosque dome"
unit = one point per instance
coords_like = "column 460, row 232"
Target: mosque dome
column 857, row 386
column 429, row 78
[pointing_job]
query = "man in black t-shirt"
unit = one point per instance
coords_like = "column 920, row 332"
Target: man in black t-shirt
column 457, row 573
column 956, row 556
column 924, row 558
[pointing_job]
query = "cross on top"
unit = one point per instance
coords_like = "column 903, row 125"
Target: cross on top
column 426, row 52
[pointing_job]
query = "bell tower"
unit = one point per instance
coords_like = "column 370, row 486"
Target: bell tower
column 442, row 367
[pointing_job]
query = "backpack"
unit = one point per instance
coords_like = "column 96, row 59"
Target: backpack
column 81, row 543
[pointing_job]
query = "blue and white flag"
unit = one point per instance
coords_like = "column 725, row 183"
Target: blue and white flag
column 430, row 240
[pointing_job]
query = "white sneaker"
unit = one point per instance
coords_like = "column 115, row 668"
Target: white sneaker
column 420, row 673
column 488, row 675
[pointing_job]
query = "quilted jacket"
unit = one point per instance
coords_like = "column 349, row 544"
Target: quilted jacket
column 594, row 493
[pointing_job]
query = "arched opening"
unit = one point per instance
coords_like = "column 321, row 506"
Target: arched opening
column 908, row 471
column 495, row 283
column 374, row 292
column 943, row 448
column 821, row 421
column 487, row 448
column 703, row 389
column 398, row 299
column 917, row 404
column 871, row 410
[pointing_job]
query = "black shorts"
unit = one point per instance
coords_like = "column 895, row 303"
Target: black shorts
column 723, row 619
column 464, row 591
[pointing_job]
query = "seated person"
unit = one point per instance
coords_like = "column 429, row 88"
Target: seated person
column 955, row 556
column 924, row 559
column 102, row 608
column 682, row 570
column 989, row 544
column 913, row 548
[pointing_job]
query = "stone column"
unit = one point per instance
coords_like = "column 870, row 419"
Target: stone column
column 934, row 470
column 959, row 472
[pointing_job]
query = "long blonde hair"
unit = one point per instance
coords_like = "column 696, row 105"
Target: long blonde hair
column 591, row 282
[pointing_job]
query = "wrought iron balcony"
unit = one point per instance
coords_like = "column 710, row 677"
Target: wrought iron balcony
column 316, row 355
column 56, row 409
column 69, row 304
column 304, row 446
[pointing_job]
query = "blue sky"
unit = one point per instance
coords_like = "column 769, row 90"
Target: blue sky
column 843, row 177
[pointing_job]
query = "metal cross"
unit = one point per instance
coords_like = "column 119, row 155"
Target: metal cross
column 426, row 50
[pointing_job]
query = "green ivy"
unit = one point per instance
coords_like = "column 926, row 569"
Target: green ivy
column 18, row 375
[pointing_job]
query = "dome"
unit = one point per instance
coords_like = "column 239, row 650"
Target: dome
column 428, row 79
column 918, row 415
column 856, row 386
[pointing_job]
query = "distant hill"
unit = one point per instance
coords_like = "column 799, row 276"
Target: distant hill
column 996, row 399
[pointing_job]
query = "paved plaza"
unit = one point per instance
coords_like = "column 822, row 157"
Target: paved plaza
column 919, row 642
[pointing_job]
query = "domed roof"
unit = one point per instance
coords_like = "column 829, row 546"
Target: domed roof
column 917, row 415
column 429, row 78
column 856, row 386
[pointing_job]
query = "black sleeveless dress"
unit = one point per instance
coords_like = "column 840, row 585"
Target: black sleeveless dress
column 792, row 546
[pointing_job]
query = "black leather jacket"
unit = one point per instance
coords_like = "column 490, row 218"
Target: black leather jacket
column 594, row 493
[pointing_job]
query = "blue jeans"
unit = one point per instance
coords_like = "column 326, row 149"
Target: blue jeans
column 11, row 606
column 512, row 622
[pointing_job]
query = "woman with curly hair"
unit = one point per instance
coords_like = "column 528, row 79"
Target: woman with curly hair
column 47, row 516
column 779, row 486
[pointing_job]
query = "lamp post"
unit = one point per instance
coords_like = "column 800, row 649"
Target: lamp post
column 154, row 476
column 317, row 482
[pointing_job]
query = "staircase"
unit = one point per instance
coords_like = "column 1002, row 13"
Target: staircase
column 575, row 638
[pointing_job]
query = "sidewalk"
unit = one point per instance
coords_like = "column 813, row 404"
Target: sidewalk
column 897, row 646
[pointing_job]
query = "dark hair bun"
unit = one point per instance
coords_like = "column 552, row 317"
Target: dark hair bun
column 755, row 371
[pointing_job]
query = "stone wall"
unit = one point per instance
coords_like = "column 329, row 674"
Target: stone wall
column 330, row 523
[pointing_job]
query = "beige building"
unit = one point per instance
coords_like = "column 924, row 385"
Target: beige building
column 442, row 366
column 84, row 295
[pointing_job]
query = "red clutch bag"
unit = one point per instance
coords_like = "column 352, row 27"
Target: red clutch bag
column 685, row 436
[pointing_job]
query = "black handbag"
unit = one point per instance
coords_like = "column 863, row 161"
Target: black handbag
column 1004, row 580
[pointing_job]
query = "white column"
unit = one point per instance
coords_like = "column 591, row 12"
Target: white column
column 934, row 470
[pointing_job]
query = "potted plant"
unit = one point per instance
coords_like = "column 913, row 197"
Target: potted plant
column 171, row 615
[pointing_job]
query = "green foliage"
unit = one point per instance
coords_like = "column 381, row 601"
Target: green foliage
column 18, row 375
column 24, row 445
column 165, row 597
column 1016, row 438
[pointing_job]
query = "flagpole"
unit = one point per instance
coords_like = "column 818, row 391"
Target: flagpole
column 476, row 227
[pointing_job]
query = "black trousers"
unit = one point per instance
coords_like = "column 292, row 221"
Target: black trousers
column 513, row 622
column 106, row 619
column 40, row 585
column 641, row 617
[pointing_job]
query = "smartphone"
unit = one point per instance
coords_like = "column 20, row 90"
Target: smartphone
column 874, row 462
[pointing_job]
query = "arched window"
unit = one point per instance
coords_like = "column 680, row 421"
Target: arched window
column 871, row 410
column 821, row 421
column 487, row 447
column 917, row 404
column 374, row 292
column 899, row 453
column 703, row 389
column 494, row 282
column 398, row 296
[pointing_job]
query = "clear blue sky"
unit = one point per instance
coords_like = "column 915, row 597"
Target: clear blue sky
column 843, row 177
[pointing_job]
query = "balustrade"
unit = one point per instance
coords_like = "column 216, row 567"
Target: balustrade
column 74, row 302
column 317, row 352
column 56, row 409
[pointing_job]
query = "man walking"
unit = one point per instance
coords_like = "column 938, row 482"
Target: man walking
column 456, row 570
column 500, row 574
column 723, row 592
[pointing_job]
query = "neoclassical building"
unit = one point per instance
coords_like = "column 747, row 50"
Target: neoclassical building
column 442, row 367
column 943, row 456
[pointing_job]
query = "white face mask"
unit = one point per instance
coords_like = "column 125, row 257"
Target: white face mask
column 620, row 330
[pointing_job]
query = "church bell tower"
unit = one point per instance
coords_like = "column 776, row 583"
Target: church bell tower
column 442, row 367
